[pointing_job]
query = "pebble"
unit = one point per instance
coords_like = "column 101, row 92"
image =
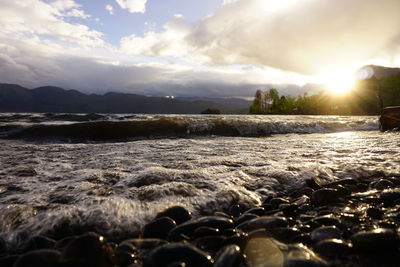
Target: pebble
column 377, row 240
column 326, row 232
column 324, row 196
column 262, row 222
column 263, row 251
column 177, row 213
column 39, row 258
column 189, row 227
column 158, row 228
column 90, row 249
column 333, row 247
column 178, row 252
column 229, row 256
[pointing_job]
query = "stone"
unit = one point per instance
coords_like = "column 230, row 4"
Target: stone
column 377, row 240
column 158, row 228
column 257, row 211
column 343, row 182
column 245, row 217
column 263, row 251
column 324, row 196
column 8, row 260
column 42, row 242
column 381, row 184
column 278, row 201
column 284, row 234
column 90, row 249
column 178, row 252
column 177, row 213
column 326, row 232
column 210, row 243
column 148, row 243
column 39, row 258
column 123, row 258
column 374, row 213
column 206, row 231
column 263, row 222
column 333, row 247
column 235, row 210
column 189, row 227
column 228, row 256
column 326, row 220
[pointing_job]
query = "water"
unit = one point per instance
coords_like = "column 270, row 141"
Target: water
column 115, row 183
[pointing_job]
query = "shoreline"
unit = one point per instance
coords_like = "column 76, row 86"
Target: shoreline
column 347, row 222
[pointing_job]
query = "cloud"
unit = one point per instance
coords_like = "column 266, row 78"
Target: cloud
column 304, row 36
column 22, row 19
column 133, row 6
column 110, row 9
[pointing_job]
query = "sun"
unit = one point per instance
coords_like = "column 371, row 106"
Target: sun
column 340, row 82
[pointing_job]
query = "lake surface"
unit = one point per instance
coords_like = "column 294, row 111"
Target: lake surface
column 116, row 172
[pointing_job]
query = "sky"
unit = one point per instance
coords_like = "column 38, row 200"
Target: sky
column 215, row 48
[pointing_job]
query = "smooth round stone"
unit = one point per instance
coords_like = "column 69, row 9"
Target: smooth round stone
column 178, row 252
column 381, row 184
column 42, row 242
column 221, row 214
column 290, row 210
column 8, row 260
column 284, row 234
column 326, row 232
column 235, row 210
column 390, row 196
column 228, row 256
column 126, row 247
column 158, row 228
column 177, row 264
column 89, row 248
column 278, row 201
column 210, row 243
column 263, row 251
column 177, row 213
column 327, row 220
column 324, row 196
column 333, row 247
column 145, row 243
column 377, row 240
column 306, row 191
column 189, row 227
column 123, row 258
column 374, row 213
column 39, row 258
column 314, row 183
column 64, row 242
column 343, row 182
column 257, row 211
column 263, row 222
column 238, row 239
column 206, row 231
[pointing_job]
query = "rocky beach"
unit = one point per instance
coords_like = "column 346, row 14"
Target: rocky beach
column 215, row 191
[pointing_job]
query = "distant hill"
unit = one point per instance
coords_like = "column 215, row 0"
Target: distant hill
column 15, row 98
column 380, row 71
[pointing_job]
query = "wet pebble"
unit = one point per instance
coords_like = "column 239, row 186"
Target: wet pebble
column 178, row 252
column 326, row 232
column 263, row 222
column 39, row 258
column 158, row 228
column 177, row 213
column 333, row 247
column 324, row 196
column 377, row 240
column 229, row 256
column 189, row 227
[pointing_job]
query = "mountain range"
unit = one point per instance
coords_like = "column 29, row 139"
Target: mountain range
column 15, row 98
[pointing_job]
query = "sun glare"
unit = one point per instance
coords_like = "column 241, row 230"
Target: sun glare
column 339, row 82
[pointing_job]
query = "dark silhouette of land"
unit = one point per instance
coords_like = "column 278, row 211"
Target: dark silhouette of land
column 15, row 98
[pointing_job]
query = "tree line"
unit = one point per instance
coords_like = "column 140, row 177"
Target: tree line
column 368, row 97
